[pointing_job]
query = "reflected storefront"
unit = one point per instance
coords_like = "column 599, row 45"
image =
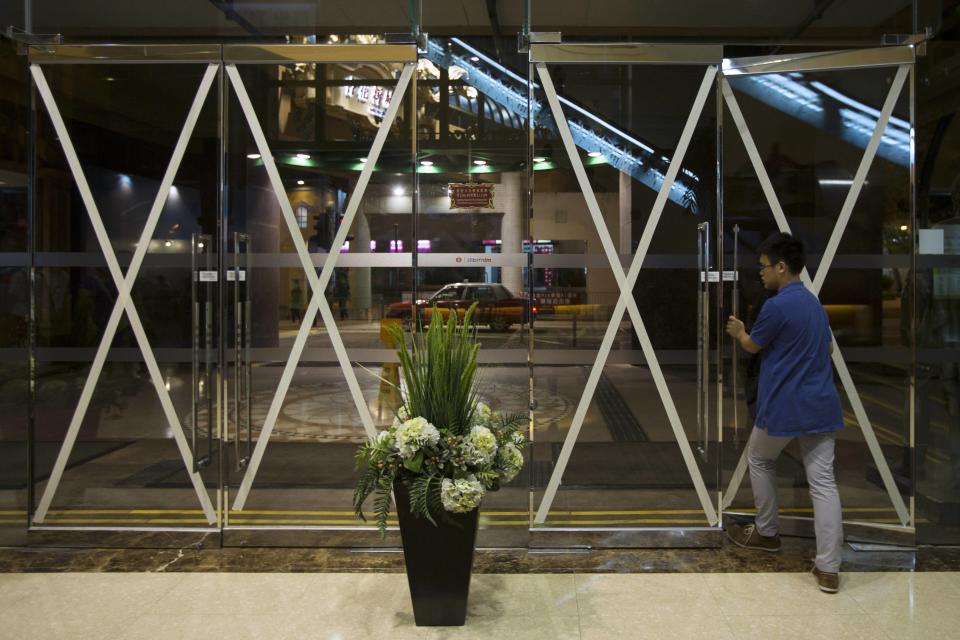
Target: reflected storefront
column 219, row 235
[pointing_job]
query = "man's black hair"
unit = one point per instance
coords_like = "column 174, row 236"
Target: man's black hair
column 783, row 246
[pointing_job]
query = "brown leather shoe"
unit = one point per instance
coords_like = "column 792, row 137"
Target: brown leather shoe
column 748, row 537
column 828, row 582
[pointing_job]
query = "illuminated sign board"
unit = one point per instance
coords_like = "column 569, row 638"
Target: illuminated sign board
column 470, row 195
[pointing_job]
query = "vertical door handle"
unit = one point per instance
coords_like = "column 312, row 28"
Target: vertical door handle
column 241, row 345
column 735, row 310
column 201, row 258
column 703, row 339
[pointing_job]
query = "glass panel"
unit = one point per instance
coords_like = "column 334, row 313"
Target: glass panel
column 937, row 322
column 15, row 293
column 124, row 121
column 320, row 121
column 811, row 130
column 472, row 225
column 626, row 469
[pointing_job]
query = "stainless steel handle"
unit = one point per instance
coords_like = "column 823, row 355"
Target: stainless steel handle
column 735, row 310
column 241, row 344
column 201, row 262
column 703, row 339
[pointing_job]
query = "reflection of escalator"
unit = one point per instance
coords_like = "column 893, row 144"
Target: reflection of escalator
column 800, row 96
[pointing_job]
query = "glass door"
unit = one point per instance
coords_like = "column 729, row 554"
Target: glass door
column 319, row 216
column 125, row 209
column 625, row 224
column 819, row 145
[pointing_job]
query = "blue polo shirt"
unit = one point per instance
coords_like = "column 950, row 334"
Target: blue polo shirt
column 796, row 394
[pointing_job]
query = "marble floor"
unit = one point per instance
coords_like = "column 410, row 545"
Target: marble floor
column 343, row 606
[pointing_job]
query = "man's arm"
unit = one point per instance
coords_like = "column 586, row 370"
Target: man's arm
column 736, row 329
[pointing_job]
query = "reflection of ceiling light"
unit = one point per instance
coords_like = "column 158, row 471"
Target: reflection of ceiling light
column 479, row 163
column 109, row 79
column 837, row 183
column 398, row 191
column 474, row 59
column 168, row 244
column 904, row 227
column 300, row 182
column 253, row 156
column 200, row 245
column 426, row 163
column 594, row 154
column 362, row 160
column 303, row 156
column 539, row 159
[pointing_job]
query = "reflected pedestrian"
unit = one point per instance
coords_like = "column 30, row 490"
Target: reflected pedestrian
column 796, row 398
column 296, row 303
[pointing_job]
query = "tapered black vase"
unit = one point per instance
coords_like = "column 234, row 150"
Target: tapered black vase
column 439, row 562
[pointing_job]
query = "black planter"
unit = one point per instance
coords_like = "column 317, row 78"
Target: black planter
column 439, row 560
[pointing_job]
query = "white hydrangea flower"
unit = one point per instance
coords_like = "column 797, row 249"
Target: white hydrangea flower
column 402, row 414
column 480, row 446
column 414, row 434
column 482, row 415
column 509, row 461
column 518, row 439
column 384, row 439
column 461, row 496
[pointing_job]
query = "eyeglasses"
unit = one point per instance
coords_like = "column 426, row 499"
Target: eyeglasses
column 764, row 267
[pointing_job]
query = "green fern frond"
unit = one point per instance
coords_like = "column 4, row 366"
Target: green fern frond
column 513, row 421
column 381, row 508
column 419, row 497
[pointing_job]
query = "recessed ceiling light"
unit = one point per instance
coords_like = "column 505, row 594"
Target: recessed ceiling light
column 904, row 227
column 109, row 78
column 426, row 163
column 398, row 191
column 253, row 156
column 168, row 244
column 594, row 154
column 539, row 159
column 479, row 163
column 300, row 182
column 474, row 59
column 303, row 156
column 362, row 160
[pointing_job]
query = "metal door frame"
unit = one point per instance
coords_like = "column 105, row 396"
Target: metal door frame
column 903, row 57
column 220, row 59
column 709, row 57
column 40, row 56
column 234, row 55
column 541, row 53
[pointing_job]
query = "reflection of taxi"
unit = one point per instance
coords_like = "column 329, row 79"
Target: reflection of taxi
column 496, row 305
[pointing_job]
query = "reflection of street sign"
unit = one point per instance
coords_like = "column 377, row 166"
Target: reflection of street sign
column 366, row 99
column 472, row 195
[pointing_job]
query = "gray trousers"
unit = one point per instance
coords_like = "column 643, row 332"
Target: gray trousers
column 762, row 453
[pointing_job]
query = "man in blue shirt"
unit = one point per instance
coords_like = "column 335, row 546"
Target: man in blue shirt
column 796, row 399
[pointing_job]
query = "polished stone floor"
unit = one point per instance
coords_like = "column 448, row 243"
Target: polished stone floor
column 239, row 606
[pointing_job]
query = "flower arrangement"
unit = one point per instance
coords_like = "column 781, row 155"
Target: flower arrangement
column 446, row 446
